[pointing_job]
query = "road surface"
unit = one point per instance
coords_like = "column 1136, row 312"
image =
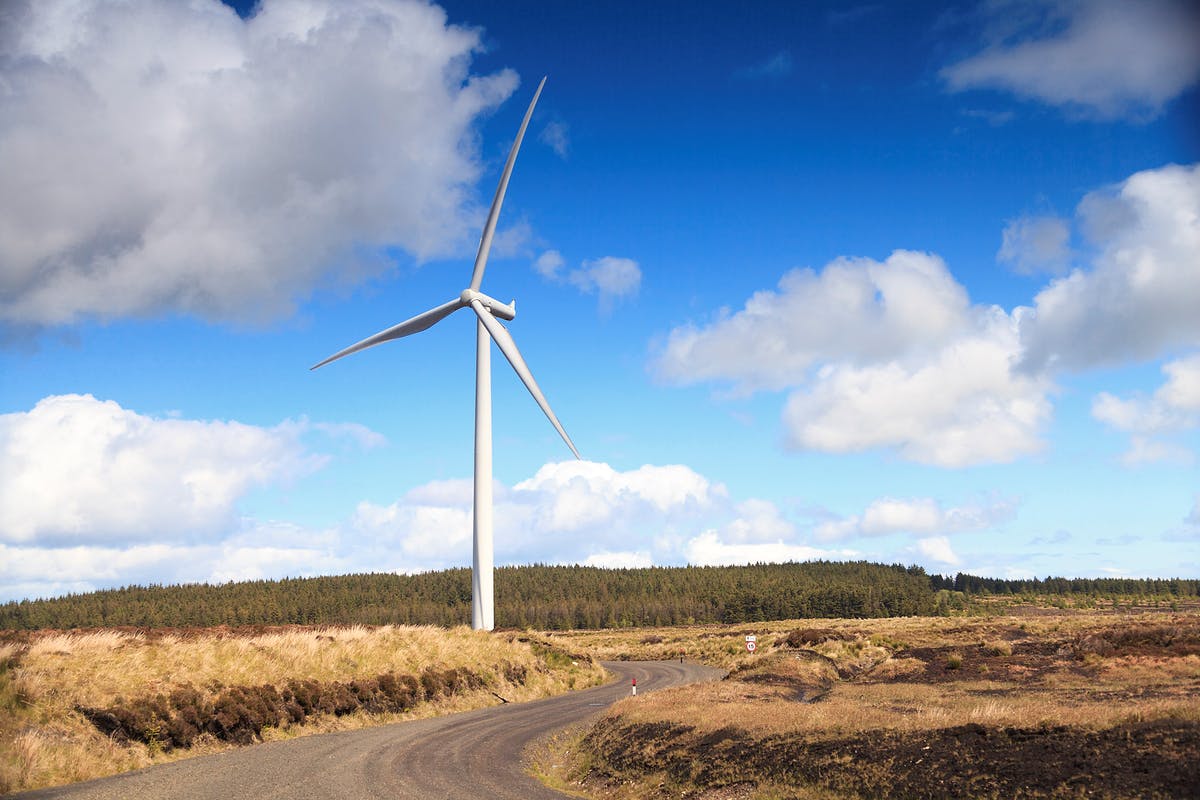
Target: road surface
column 467, row 756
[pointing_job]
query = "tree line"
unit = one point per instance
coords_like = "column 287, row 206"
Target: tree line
column 1098, row 587
column 564, row 597
column 537, row 596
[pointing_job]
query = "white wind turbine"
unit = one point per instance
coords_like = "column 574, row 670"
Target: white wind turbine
column 486, row 309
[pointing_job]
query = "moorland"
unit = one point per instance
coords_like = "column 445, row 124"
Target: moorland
column 1036, row 703
column 868, row 680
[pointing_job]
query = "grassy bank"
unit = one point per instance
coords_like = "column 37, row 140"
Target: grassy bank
column 1059, row 705
column 80, row 705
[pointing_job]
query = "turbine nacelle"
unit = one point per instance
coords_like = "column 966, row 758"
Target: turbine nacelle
column 494, row 306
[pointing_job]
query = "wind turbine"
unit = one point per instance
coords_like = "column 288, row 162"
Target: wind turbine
column 486, row 309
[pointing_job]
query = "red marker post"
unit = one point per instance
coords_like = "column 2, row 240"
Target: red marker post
column 635, row 687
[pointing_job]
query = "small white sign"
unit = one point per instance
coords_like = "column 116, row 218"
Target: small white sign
column 751, row 638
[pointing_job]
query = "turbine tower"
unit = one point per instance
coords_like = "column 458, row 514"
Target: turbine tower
column 486, row 310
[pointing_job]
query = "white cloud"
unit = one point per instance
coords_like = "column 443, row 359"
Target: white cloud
column 514, row 240
column 548, row 264
column 881, row 354
column 919, row 516
column 619, row 560
column 40, row 571
column 609, row 277
column 855, row 310
column 894, row 355
column 77, row 469
column 576, row 494
column 759, row 521
column 555, row 136
column 1182, row 387
column 569, row 513
column 965, row 405
column 1107, row 58
column 1141, row 295
column 937, row 548
column 1174, row 407
column 171, row 157
column 409, row 537
column 1144, row 450
column 1036, row 244
column 707, row 549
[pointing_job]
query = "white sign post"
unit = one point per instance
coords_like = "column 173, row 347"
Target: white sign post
column 751, row 643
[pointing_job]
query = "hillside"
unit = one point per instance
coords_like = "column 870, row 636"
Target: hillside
column 543, row 597
column 570, row 597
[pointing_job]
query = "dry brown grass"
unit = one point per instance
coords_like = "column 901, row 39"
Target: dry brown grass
column 44, row 741
column 868, row 680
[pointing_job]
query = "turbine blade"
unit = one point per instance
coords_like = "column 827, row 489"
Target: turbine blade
column 485, row 241
column 410, row 326
column 507, row 346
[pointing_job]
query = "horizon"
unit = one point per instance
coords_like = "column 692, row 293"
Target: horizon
column 908, row 285
column 466, row 568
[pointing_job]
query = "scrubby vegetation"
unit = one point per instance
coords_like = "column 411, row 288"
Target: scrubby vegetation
column 81, row 705
column 1045, row 705
column 239, row 714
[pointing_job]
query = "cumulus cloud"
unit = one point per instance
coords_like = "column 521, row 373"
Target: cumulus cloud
column 918, row 516
column 1174, row 407
column 1139, row 298
column 171, row 157
column 708, row 549
column 1031, row 245
column 855, row 310
column 620, row 560
column 574, row 512
column 879, row 354
column 1105, row 58
column 893, row 355
column 41, row 571
column 548, row 264
column 937, row 548
column 759, row 521
column 961, row 406
column 75, row 469
column 573, row 495
column 610, row 278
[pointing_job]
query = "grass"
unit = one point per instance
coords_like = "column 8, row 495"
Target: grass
column 46, row 676
column 819, row 699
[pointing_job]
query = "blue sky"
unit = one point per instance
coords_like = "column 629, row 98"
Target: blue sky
column 913, row 283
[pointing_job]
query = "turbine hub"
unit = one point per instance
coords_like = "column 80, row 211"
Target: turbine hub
column 494, row 306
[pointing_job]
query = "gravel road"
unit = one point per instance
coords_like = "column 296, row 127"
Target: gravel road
column 470, row 756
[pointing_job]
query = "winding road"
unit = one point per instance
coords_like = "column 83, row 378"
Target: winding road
column 466, row 756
